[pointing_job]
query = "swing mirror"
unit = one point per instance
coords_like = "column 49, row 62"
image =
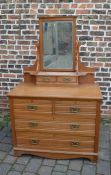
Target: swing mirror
column 57, row 43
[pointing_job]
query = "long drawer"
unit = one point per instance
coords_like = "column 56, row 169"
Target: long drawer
column 53, row 125
column 53, row 144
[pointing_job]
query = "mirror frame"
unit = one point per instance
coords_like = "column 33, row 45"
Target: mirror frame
column 52, row 19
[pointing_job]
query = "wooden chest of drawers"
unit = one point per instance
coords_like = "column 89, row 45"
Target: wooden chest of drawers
column 56, row 122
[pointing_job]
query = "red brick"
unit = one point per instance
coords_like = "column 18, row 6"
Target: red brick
column 98, row 64
column 65, row 6
column 107, row 64
column 82, row 6
column 52, row 11
column 74, row 6
column 83, row 11
column 90, row 5
column 33, row 11
column 9, row 75
column 57, row 6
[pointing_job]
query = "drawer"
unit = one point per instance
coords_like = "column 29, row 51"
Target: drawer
column 52, row 125
column 75, row 144
column 46, row 79
column 74, row 109
column 33, row 106
column 76, row 102
column 67, row 79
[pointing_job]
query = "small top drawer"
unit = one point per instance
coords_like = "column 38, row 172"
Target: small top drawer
column 46, row 79
column 67, row 79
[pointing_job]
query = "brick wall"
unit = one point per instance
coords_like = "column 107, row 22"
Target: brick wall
column 19, row 33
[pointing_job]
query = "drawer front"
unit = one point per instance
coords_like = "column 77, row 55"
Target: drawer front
column 46, row 79
column 55, row 126
column 67, row 79
column 76, row 144
column 33, row 106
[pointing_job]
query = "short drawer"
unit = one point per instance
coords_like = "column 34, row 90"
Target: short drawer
column 32, row 105
column 74, row 110
column 46, row 79
column 67, row 79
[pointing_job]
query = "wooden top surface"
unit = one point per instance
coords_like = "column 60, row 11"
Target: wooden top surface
column 87, row 91
column 57, row 73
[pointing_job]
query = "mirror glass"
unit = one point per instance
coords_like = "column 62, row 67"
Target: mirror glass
column 58, row 45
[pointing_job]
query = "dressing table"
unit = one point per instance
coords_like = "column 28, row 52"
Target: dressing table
column 55, row 112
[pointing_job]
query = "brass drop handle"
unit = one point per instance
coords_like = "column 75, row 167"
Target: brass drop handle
column 74, row 125
column 66, row 79
column 75, row 143
column 34, row 141
column 46, row 78
column 32, row 107
column 74, row 109
column 33, row 124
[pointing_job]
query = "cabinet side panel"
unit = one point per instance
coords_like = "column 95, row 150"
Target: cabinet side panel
column 97, row 128
column 12, row 121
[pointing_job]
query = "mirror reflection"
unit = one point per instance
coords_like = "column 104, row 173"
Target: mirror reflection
column 57, row 45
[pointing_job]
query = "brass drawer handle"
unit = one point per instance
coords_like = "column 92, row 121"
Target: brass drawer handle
column 74, row 110
column 46, row 78
column 33, row 124
column 66, row 79
column 75, row 143
column 74, row 126
column 34, row 141
column 32, row 107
